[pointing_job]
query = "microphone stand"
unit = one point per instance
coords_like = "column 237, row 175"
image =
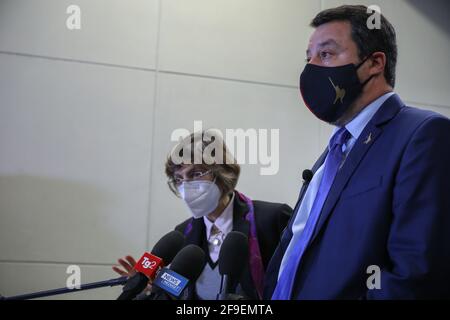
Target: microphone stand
column 53, row 292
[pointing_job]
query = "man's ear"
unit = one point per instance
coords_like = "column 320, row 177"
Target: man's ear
column 377, row 63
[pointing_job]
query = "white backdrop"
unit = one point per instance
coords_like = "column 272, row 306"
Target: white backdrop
column 86, row 115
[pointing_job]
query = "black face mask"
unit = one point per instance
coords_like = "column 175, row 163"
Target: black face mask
column 328, row 92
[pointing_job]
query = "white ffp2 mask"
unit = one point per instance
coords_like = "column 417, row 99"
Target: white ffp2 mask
column 201, row 196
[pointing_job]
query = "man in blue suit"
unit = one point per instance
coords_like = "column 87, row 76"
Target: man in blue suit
column 374, row 220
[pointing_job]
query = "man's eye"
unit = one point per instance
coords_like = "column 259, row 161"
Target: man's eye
column 325, row 55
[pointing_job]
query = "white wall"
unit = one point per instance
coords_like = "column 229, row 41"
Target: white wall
column 86, row 115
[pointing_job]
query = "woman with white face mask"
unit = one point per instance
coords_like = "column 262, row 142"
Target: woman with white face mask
column 208, row 191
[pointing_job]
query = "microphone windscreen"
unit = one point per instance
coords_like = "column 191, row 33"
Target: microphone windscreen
column 189, row 262
column 233, row 254
column 168, row 246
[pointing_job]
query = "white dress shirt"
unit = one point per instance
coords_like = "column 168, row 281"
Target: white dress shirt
column 224, row 224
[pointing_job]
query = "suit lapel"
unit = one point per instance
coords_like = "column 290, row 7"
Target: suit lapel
column 197, row 234
column 365, row 141
column 239, row 211
column 314, row 169
column 240, row 224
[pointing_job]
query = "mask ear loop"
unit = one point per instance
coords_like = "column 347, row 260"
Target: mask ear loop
column 222, row 194
column 367, row 81
column 214, row 176
column 362, row 62
column 359, row 65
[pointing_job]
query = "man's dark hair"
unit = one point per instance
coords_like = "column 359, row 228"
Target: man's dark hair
column 367, row 40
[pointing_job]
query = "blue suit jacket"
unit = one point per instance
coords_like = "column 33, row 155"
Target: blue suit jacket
column 389, row 206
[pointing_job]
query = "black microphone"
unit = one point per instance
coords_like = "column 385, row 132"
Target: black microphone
column 307, row 176
column 54, row 292
column 185, row 268
column 233, row 257
column 162, row 254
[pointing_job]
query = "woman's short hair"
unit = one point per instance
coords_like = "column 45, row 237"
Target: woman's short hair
column 205, row 150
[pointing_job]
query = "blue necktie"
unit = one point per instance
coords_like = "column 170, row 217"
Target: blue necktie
column 335, row 157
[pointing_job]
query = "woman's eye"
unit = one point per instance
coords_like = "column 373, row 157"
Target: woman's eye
column 197, row 174
column 178, row 180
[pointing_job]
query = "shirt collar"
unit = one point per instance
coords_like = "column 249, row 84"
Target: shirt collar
column 357, row 125
column 224, row 222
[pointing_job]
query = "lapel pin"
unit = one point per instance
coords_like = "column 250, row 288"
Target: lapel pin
column 369, row 139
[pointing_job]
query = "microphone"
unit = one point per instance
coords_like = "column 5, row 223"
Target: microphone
column 185, row 268
column 149, row 264
column 233, row 256
column 307, row 176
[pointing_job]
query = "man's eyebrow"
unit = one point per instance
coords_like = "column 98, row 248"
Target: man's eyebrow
column 328, row 43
